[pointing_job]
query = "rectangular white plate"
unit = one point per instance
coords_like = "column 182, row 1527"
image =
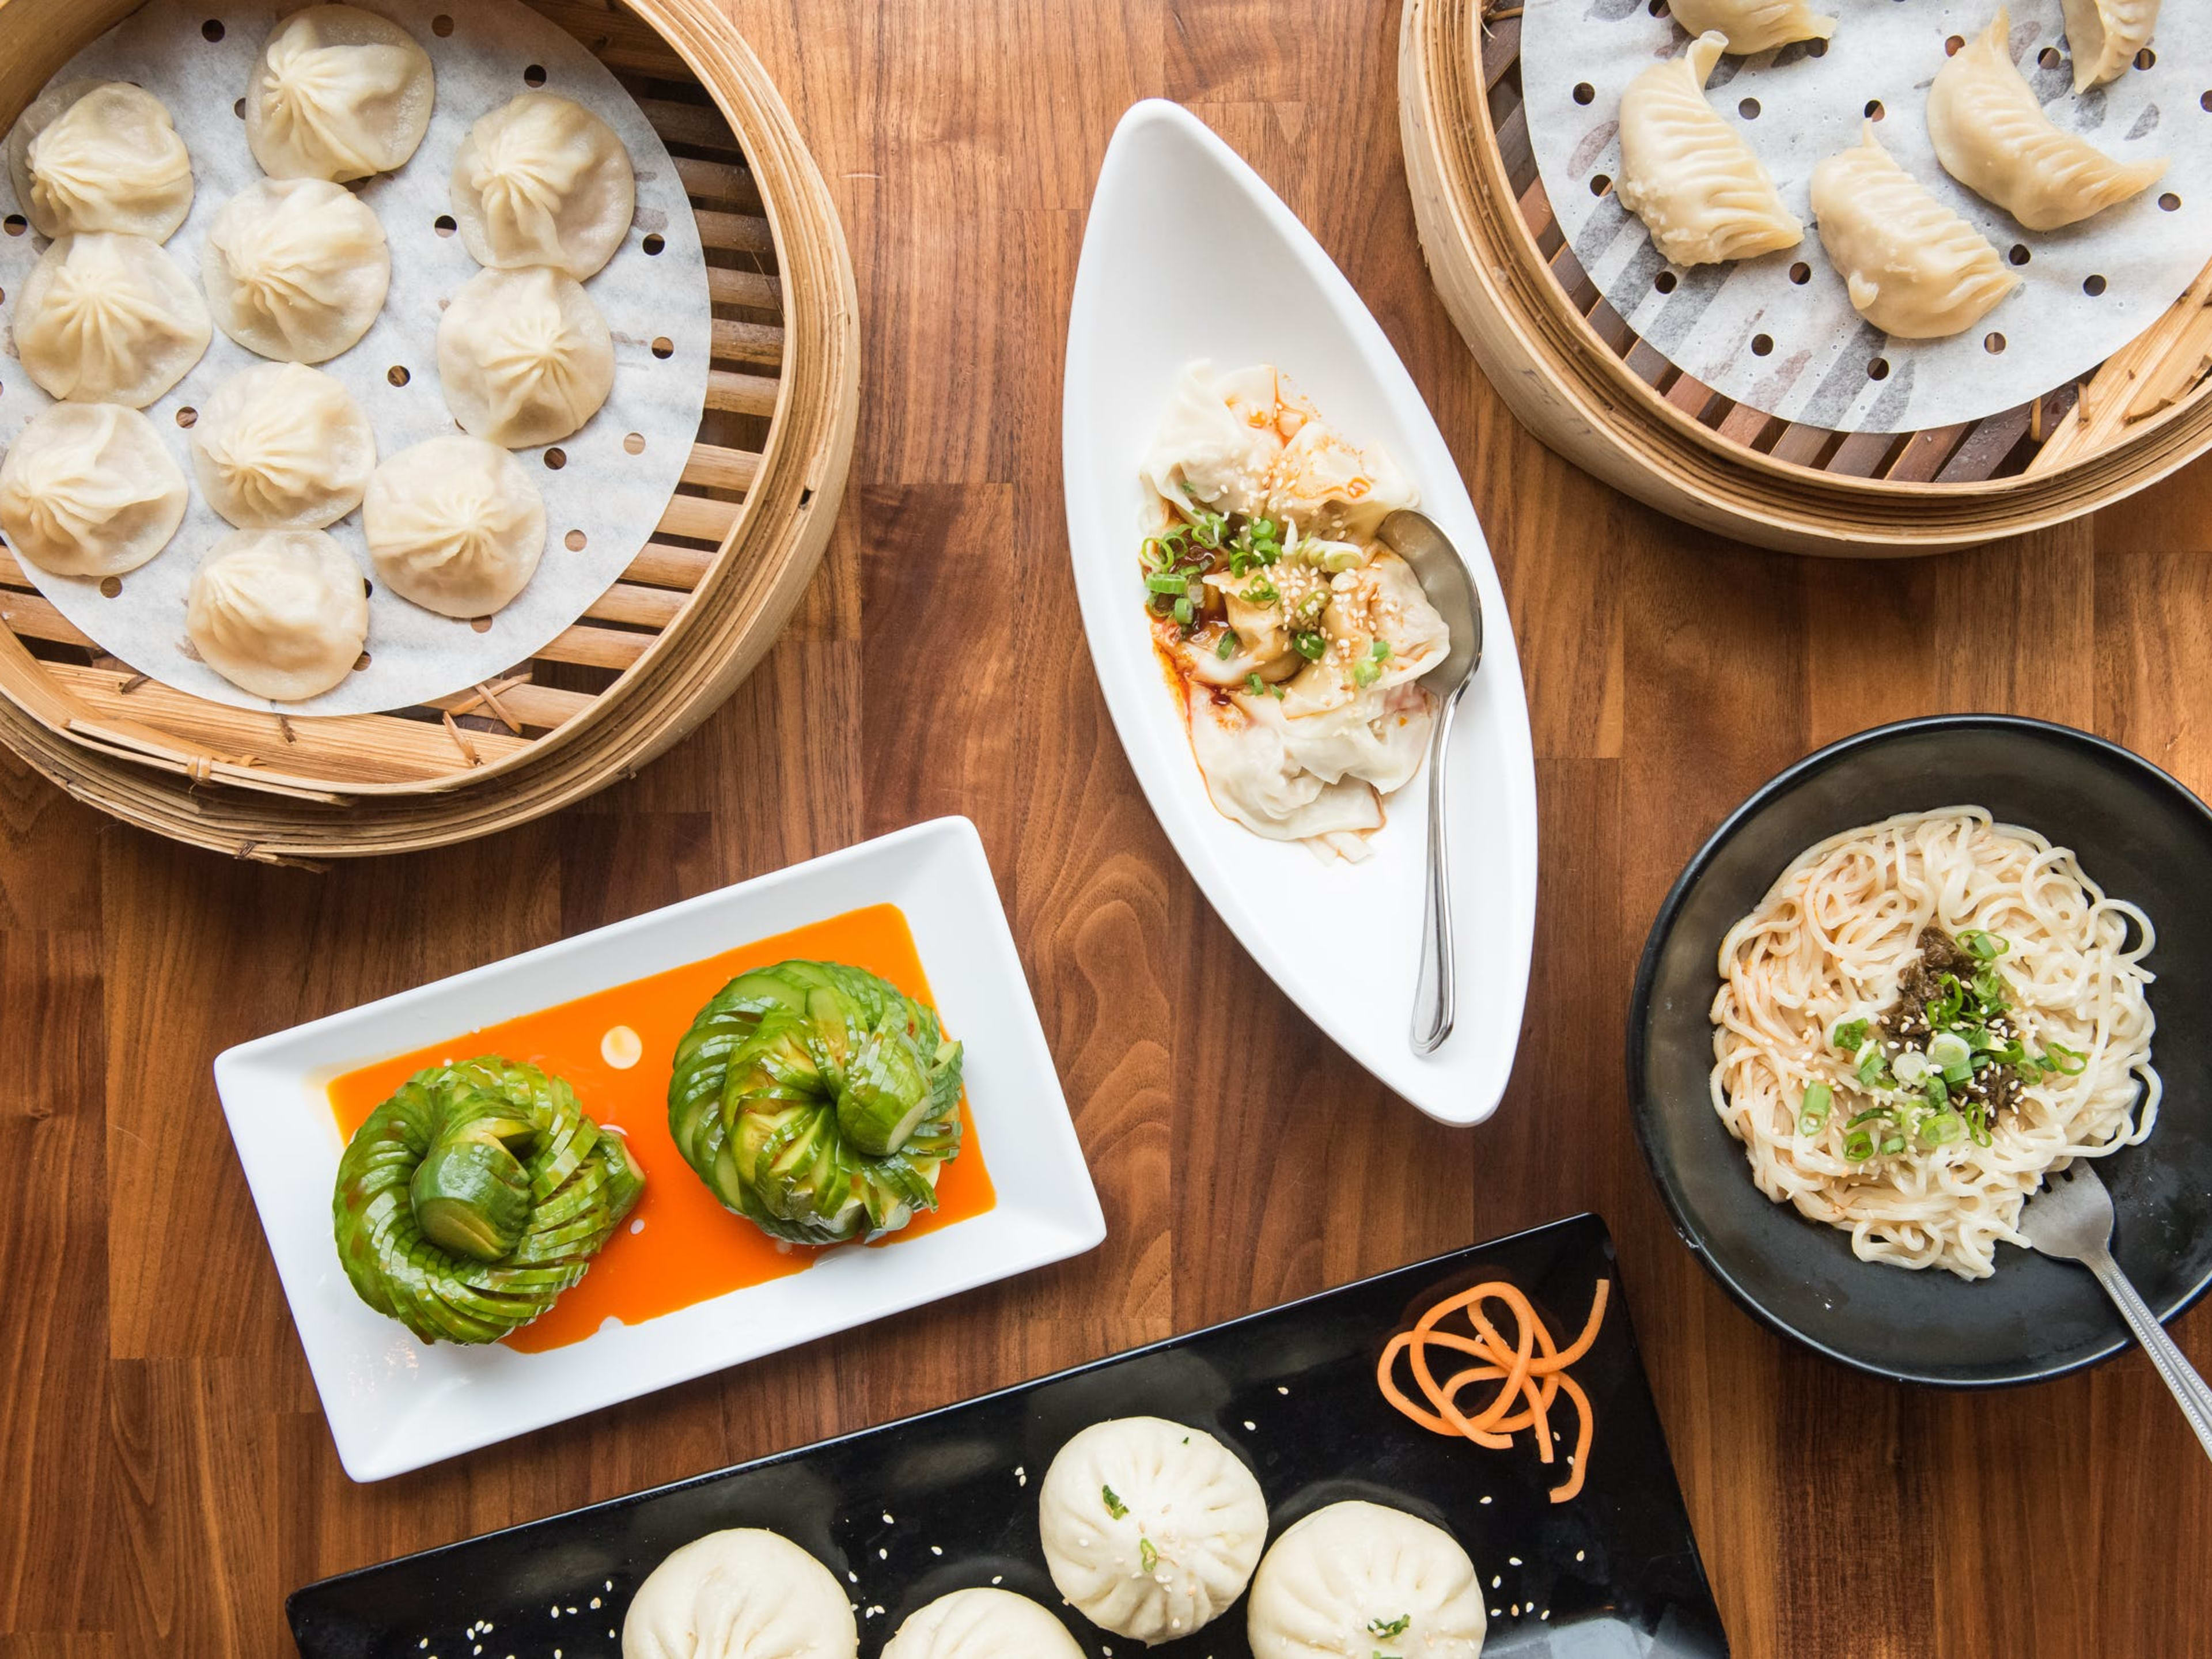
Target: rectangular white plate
column 395, row 1403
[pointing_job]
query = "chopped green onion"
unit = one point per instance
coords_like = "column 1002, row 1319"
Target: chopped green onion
column 1115, row 1506
column 1812, row 1114
column 2071, row 1062
column 1147, row 1557
column 1227, row 649
column 1893, row 1145
column 1944, row 1008
column 1380, row 651
column 1849, row 1035
column 1168, row 584
column 1987, row 946
column 1873, row 1070
column 1981, row 1133
column 1947, row 1049
column 1858, row 1148
column 1183, row 613
column 1252, row 684
column 1392, row 1630
column 1364, row 673
column 1311, row 646
column 1990, row 987
column 1911, row 1067
column 1937, row 1091
column 1943, row 1129
column 1872, row 1112
column 1261, row 593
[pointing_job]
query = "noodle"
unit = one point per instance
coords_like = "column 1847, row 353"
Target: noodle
column 1828, row 945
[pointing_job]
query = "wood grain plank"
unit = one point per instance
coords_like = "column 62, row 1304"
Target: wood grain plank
column 53, row 1250
column 166, row 1474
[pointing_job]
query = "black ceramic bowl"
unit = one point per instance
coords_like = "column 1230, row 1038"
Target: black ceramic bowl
column 2140, row 836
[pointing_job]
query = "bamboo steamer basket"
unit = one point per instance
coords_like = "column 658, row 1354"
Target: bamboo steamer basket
column 651, row 658
column 1591, row 389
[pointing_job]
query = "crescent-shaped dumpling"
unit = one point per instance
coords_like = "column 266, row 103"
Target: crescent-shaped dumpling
column 1700, row 190
column 2104, row 36
column 1914, row 269
column 1754, row 26
column 1993, row 137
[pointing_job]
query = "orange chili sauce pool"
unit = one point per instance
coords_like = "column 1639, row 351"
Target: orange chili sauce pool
column 679, row 1245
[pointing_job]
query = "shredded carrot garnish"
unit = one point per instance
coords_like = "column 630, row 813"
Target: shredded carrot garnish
column 1530, row 1372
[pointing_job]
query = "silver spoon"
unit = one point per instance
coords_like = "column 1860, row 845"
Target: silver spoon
column 1443, row 575
column 2072, row 1218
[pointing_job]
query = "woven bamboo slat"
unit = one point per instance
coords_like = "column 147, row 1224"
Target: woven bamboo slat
column 1586, row 384
column 697, row 608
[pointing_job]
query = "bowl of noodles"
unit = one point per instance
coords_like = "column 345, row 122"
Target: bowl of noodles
column 1907, row 980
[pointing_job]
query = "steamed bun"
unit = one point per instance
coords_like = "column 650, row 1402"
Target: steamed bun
column 982, row 1624
column 1361, row 1579
column 744, row 1594
column 1151, row 1528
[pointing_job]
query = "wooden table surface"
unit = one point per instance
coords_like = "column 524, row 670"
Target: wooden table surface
column 164, row 1474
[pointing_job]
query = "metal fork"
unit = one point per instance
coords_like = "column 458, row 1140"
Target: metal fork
column 2072, row 1218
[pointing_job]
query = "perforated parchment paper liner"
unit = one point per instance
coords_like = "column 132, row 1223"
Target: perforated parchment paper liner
column 604, row 488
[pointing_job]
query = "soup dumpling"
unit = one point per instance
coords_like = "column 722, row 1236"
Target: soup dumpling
column 525, row 357
column 1361, row 1579
column 542, row 181
column 281, row 445
column 281, row 613
column 100, row 155
column 1701, row 191
column 108, row 318
column 1151, row 1528
column 338, row 94
column 455, row 524
column 87, row 489
column 982, row 1624
column 738, row 1594
column 297, row 268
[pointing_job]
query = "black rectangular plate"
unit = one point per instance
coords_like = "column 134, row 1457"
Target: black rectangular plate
column 1613, row 1572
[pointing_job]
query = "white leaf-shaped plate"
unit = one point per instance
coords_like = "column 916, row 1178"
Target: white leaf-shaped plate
column 1188, row 255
